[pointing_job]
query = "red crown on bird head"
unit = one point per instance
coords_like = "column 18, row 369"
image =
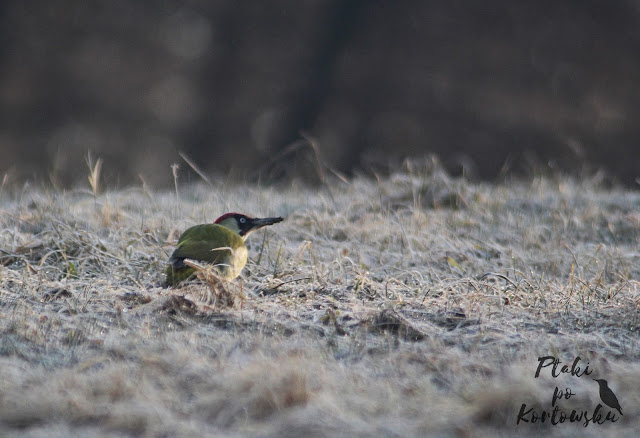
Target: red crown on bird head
column 225, row 216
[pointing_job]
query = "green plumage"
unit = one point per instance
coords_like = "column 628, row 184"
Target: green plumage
column 210, row 244
column 220, row 245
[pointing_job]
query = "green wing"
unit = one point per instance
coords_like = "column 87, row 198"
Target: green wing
column 207, row 243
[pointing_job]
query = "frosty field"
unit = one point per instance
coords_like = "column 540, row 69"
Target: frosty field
column 409, row 305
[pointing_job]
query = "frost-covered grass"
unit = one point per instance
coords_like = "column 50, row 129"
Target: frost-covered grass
column 414, row 305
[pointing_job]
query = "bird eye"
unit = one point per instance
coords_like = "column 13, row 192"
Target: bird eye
column 242, row 220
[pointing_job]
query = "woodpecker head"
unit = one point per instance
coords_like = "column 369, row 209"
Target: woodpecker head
column 245, row 225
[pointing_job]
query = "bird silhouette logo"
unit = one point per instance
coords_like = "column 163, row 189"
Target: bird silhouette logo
column 607, row 396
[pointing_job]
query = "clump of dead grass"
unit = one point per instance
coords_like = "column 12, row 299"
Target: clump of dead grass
column 218, row 292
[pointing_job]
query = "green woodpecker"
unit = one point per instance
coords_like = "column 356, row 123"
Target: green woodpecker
column 220, row 244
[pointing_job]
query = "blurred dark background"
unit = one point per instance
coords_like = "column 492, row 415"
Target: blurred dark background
column 491, row 87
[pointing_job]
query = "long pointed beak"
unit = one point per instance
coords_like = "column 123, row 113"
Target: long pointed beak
column 263, row 222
